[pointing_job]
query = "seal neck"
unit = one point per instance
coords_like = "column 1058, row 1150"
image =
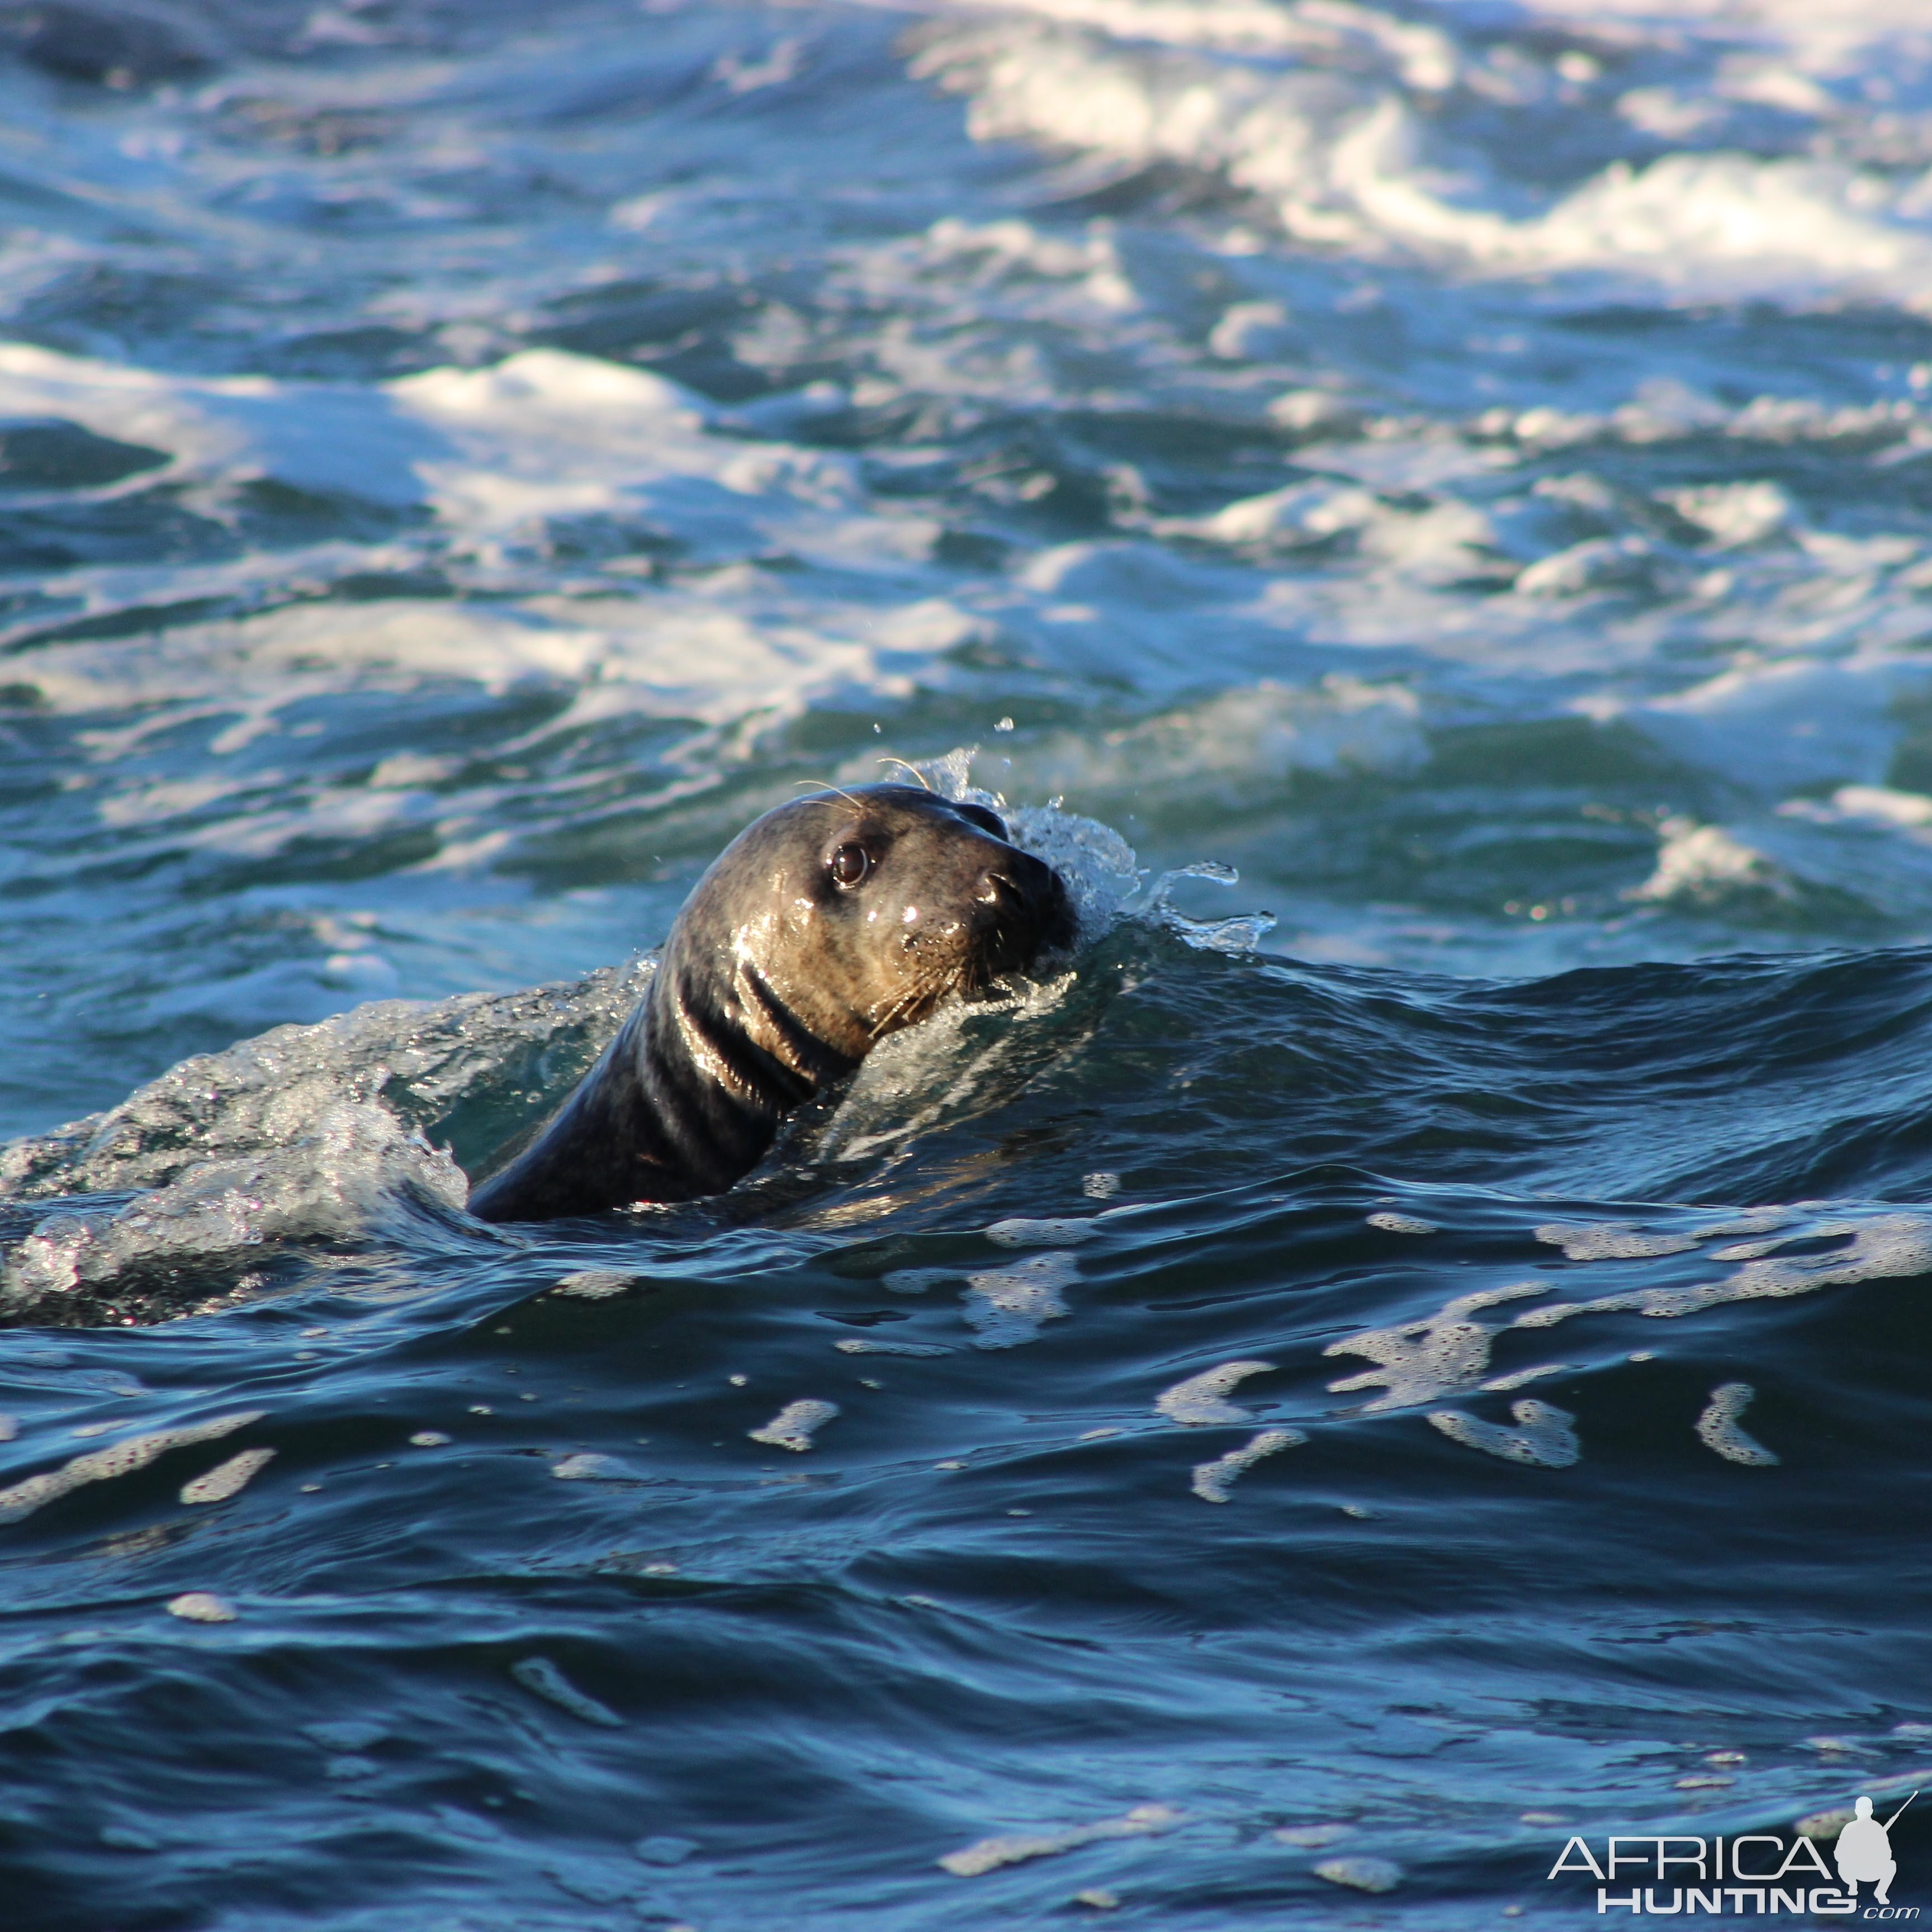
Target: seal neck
column 718, row 1067
column 685, row 1101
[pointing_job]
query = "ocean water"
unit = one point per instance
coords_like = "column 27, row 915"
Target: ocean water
column 1409, row 1345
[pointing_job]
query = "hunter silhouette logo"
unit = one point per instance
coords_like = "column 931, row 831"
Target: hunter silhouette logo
column 1863, row 1854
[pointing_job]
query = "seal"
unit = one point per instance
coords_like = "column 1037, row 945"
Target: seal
column 826, row 925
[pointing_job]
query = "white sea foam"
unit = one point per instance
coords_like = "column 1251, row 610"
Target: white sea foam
column 1402, row 1224
column 1337, row 141
column 1543, row 1435
column 482, row 467
column 1202, row 1398
column 1748, row 1251
column 1735, row 514
column 540, row 1676
column 121, row 1459
column 201, row 1606
column 1521, row 1378
column 1702, row 864
column 1611, row 1240
column 1908, row 813
column 1064, row 1232
column 1753, row 1221
column 588, row 1466
column 1213, row 1482
column 795, row 1425
column 1361, row 1874
column 492, row 452
column 1385, row 545
column 713, row 659
column 862, row 1345
column 1441, row 541
column 1009, row 1305
column 227, row 1479
column 1885, row 1246
column 1442, row 1354
column 1015, row 1847
column 1718, row 1427
column 1309, row 1837
column 595, row 1284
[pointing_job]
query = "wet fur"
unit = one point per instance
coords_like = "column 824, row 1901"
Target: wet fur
column 774, row 983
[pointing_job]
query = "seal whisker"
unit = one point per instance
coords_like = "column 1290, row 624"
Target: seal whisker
column 905, row 765
column 917, row 999
column 898, row 1009
column 825, row 784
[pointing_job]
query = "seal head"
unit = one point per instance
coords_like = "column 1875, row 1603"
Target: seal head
column 825, row 926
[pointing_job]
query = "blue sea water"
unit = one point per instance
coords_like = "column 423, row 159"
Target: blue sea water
column 1410, row 1346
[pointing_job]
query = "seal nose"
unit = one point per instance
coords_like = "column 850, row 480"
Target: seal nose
column 1028, row 905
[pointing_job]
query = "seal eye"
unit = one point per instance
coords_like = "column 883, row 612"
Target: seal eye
column 850, row 864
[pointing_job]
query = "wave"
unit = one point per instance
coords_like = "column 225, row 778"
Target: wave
column 1449, row 139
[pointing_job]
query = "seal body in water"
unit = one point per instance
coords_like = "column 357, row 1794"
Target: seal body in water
column 827, row 924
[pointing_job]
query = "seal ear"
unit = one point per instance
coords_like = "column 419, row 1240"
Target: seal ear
column 985, row 818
